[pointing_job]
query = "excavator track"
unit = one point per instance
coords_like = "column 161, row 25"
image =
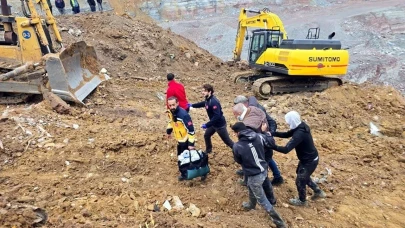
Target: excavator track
column 266, row 86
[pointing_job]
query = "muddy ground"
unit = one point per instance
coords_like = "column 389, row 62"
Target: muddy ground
column 108, row 164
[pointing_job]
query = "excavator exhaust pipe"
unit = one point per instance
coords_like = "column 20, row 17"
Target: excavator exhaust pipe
column 74, row 73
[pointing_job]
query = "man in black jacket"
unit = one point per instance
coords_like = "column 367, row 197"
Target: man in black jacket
column 217, row 122
column 249, row 153
column 272, row 125
column 307, row 155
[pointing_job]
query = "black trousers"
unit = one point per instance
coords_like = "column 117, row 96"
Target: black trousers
column 304, row 172
column 222, row 132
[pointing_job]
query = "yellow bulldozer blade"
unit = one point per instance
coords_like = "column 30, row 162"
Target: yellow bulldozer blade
column 74, row 73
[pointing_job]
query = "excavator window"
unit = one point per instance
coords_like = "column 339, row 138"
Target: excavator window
column 257, row 46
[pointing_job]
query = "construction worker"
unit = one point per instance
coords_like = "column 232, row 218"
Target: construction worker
column 217, row 122
column 181, row 125
column 307, row 155
column 177, row 90
column 271, row 123
column 249, row 153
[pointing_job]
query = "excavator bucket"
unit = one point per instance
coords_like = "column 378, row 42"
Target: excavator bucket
column 74, row 73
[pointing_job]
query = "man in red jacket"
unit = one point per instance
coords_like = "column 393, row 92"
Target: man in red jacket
column 177, row 90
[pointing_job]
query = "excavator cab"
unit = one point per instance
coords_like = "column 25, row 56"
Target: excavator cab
column 261, row 40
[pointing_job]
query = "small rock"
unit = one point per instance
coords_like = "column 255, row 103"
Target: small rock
column 67, row 163
column 66, row 141
column 49, row 145
column 196, row 64
column 127, row 175
column 151, row 207
column 125, row 180
column 367, row 160
column 75, row 126
column 299, row 218
column 86, row 213
column 194, row 210
column 188, row 55
column 285, row 205
column 178, row 205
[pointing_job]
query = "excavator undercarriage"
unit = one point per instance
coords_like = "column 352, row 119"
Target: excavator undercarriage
column 264, row 84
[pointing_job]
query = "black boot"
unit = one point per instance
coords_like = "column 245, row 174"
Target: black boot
column 276, row 218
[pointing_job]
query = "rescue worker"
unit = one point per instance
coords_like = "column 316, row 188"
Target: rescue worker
column 301, row 140
column 271, row 123
column 217, row 122
column 249, row 153
column 181, row 125
column 177, row 90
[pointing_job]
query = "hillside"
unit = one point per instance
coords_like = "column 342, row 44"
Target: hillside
column 109, row 163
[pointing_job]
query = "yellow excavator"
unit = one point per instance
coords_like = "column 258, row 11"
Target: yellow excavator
column 30, row 62
column 283, row 65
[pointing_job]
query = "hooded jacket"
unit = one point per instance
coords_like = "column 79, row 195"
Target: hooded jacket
column 302, row 142
column 252, row 101
column 254, row 118
column 249, row 153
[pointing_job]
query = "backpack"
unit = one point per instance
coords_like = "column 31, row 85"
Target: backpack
column 193, row 163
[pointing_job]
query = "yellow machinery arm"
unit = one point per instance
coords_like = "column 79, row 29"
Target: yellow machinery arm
column 36, row 21
column 263, row 19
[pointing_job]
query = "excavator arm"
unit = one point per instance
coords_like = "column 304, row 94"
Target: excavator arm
column 35, row 20
column 263, row 19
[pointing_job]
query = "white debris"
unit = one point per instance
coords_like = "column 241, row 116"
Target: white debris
column 167, row 205
column 75, row 126
column 374, row 130
column 103, row 71
column 67, row 163
column 1, row 145
column 66, row 141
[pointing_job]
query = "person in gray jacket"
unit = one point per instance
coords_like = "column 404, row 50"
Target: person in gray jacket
column 272, row 127
column 249, row 153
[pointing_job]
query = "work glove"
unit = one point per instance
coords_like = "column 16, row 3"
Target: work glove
column 204, row 126
column 189, row 105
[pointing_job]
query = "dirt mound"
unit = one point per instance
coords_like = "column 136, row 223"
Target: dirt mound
column 109, row 164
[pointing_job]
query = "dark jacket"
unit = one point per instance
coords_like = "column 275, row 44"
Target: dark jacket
column 249, row 153
column 302, row 142
column 269, row 144
column 252, row 101
column 181, row 125
column 214, row 111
